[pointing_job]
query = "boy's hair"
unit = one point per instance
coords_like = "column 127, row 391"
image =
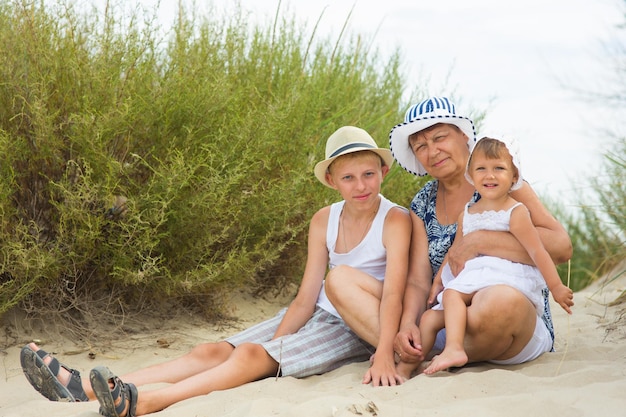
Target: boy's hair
column 358, row 154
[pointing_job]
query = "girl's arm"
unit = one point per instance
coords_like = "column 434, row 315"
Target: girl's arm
column 522, row 228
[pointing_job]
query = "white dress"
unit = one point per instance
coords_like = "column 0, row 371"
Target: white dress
column 485, row 271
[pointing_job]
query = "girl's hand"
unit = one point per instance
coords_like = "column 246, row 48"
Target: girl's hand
column 434, row 291
column 564, row 296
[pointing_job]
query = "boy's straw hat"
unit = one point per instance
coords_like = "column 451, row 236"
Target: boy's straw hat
column 348, row 139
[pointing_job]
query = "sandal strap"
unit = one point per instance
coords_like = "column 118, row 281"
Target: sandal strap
column 74, row 386
column 118, row 391
column 54, row 364
column 127, row 393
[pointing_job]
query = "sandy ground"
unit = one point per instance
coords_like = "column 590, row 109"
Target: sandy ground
column 585, row 377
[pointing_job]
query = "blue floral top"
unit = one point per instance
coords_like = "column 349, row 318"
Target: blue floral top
column 441, row 237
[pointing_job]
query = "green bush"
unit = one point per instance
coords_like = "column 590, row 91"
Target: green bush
column 169, row 171
column 598, row 229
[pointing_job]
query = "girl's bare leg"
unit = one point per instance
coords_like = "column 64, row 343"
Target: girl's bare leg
column 431, row 322
column 455, row 316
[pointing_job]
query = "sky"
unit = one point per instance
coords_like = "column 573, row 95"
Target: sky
column 524, row 62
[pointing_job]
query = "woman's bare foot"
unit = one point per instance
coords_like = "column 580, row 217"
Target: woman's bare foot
column 405, row 370
column 447, row 359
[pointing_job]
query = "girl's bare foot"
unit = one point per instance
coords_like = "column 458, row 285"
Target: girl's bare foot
column 447, row 359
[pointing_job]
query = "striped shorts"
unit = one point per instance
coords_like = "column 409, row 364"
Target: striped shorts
column 324, row 343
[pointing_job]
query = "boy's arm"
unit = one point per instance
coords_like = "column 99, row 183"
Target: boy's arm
column 396, row 239
column 302, row 307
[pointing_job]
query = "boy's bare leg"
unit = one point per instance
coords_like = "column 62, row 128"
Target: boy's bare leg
column 248, row 362
column 199, row 359
column 432, row 321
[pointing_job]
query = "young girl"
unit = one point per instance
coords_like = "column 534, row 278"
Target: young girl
column 494, row 169
column 364, row 235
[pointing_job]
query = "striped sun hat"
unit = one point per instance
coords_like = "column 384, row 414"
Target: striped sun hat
column 421, row 116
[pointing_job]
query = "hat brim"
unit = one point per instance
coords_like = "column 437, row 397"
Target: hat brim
column 399, row 139
column 322, row 167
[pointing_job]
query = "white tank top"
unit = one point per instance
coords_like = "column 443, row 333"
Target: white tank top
column 369, row 256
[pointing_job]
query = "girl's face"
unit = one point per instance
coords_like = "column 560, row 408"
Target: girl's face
column 442, row 150
column 493, row 177
column 357, row 176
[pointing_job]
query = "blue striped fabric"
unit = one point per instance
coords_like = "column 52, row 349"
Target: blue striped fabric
column 429, row 106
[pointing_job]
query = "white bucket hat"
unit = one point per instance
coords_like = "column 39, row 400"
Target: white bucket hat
column 348, row 139
column 421, row 116
column 513, row 147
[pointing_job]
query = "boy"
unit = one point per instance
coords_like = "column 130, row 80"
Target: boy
column 364, row 235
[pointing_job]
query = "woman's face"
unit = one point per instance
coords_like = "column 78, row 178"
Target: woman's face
column 442, row 150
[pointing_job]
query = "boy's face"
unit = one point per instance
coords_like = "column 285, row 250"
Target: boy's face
column 358, row 175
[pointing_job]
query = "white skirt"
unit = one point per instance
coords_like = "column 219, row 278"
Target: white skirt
column 486, row 271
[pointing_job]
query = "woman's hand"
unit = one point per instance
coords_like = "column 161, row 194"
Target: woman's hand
column 463, row 249
column 408, row 344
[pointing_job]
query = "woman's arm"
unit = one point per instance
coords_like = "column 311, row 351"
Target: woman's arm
column 552, row 233
column 504, row 245
column 419, row 279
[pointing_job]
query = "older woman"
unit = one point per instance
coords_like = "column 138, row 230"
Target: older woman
column 502, row 325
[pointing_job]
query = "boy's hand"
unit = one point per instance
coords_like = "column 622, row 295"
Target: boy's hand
column 564, row 296
column 382, row 373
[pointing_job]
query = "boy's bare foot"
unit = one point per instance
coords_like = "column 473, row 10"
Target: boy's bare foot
column 447, row 359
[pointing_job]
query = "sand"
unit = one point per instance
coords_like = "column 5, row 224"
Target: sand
column 585, row 377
